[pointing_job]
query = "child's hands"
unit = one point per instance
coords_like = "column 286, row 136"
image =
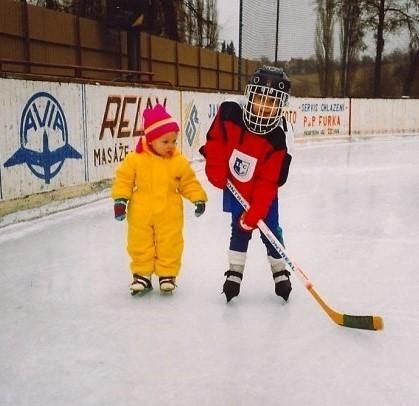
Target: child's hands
column 218, row 180
column 216, row 167
column 199, row 208
column 247, row 223
column 120, row 209
column 217, row 176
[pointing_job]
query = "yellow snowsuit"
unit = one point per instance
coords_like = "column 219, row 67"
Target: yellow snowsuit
column 154, row 187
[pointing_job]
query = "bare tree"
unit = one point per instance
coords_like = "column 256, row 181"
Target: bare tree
column 324, row 44
column 383, row 17
column 412, row 23
column 86, row 8
column 171, row 11
column 351, row 41
column 212, row 30
column 201, row 23
column 51, row 4
column 191, row 21
column 230, row 48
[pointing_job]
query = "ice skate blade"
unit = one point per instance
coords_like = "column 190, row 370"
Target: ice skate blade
column 166, row 292
column 140, row 292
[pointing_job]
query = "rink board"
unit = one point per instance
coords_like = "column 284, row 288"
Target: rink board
column 385, row 117
column 198, row 112
column 312, row 117
column 114, row 123
column 55, row 135
column 42, row 138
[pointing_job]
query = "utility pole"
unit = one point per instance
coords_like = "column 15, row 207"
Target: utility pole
column 239, row 81
column 276, row 32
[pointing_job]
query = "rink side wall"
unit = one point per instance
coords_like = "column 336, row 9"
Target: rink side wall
column 62, row 136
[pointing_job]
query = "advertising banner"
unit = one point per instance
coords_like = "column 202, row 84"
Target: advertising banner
column 55, row 135
column 113, row 120
column 198, row 112
column 312, row 117
column 42, row 139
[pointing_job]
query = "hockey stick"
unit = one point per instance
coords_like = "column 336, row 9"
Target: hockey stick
column 342, row 319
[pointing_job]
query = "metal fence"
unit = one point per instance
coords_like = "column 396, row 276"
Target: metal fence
column 308, row 39
column 270, row 32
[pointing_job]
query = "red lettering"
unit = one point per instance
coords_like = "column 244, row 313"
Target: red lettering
column 123, row 129
column 110, row 122
column 118, row 122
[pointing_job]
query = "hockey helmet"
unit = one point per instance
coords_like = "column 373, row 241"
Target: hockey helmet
column 267, row 94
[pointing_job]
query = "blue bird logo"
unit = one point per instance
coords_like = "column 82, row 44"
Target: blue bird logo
column 43, row 138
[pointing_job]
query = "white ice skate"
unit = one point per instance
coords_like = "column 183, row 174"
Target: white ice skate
column 167, row 283
column 140, row 284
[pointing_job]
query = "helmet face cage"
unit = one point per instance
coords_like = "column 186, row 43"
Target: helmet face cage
column 267, row 95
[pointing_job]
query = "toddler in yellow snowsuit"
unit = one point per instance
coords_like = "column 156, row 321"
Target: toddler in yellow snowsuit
column 148, row 189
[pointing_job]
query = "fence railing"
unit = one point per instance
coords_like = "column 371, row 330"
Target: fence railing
column 77, row 47
column 120, row 75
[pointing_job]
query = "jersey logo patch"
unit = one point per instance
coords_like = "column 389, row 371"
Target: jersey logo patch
column 242, row 166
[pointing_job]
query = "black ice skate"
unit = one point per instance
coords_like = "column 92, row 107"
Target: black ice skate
column 140, row 284
column 167, row 284
column 282, row 284
column 231, row 287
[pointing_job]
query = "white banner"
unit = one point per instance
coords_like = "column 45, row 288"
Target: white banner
column 319, row 117
column 198, row 112
column 42, row 137
column 114, row 123
column 56, row 135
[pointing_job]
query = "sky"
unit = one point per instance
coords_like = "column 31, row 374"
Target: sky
column 71, row 333
column 297, row 43
column 296, row 28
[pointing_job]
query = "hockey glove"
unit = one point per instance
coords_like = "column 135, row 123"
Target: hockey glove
column 244, row 225
column 216, row 167
column 120, row 209
column 199, row 208
column 217, row 178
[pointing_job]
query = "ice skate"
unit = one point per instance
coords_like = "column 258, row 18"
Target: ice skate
column 281, row 277
column 167, row 284
column 140, row 284
column 231, row 287
column 282, row 284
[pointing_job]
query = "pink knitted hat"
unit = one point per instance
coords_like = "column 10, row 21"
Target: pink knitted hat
column 158, row 122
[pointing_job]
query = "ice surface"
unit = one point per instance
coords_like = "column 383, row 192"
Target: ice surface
column 71, row 334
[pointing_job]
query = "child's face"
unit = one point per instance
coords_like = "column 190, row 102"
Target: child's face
column 165, row 145
column 265, row 106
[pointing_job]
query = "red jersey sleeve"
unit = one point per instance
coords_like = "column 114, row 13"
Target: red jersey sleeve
column 214, row 151
column 265, row 187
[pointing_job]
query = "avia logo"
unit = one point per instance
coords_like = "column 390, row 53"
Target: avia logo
column 43, row 138
column 191, row 125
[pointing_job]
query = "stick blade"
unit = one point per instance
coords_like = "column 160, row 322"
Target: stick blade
column 363, row 322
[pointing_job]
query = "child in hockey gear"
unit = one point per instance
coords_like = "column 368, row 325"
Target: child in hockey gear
column 148, row 190
column 250, row 147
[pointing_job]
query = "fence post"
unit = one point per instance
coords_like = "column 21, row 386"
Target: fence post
column 199, row 67
column 27, row 43
column 239, row 82
column 177, row 62
column 77, row 72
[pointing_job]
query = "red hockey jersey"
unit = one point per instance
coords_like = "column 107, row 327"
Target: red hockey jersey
column 256, row 164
